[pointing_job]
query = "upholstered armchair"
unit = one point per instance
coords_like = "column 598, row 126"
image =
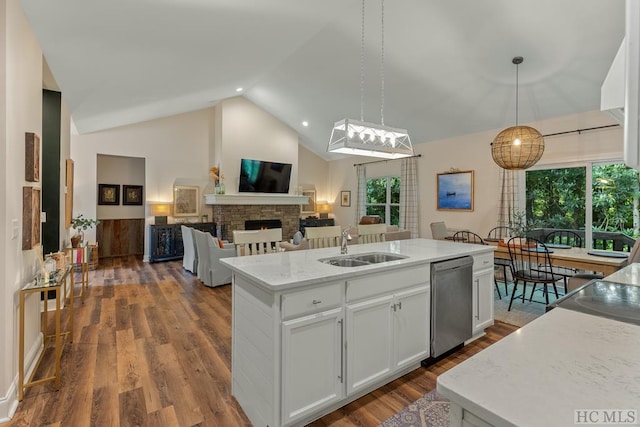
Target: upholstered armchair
column 189, row 260
column 219, row 274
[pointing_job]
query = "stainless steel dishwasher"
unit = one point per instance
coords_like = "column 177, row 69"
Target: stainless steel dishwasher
column 451, row 304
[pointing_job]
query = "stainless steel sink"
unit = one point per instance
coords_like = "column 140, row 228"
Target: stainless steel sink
column 358, row 260
column 378, row 257
column 345, row 262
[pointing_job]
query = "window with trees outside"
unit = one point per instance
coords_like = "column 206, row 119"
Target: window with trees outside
column 598, row 201
column 383, row 198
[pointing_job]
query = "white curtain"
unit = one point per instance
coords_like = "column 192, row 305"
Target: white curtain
column 361, row 193
column 409, row 196
column 508, row 198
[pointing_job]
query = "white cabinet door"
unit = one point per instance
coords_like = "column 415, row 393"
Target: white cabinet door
column 482, row 300
column 312, row 363
column 411, row 326
column 369, row 337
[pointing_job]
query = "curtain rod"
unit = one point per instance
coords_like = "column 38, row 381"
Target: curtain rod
column 386, row 160
column 581, row 130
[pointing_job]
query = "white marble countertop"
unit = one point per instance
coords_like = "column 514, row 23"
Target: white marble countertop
column 562, row 361
column 286, row 270
column 629, row 275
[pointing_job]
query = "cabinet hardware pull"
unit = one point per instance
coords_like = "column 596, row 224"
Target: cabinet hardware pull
column 341, row 351
column 315, row 301
column 400, row 305
column 478, row 299
column 393, row 307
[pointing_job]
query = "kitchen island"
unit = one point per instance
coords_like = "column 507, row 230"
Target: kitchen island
column 564, row 367
column 309, row 337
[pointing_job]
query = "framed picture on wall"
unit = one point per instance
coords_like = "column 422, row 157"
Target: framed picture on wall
column 30, row 217
column 345, row 198
column 310, row 206
column 455, row 191
column 32, row 157
column 186, row 201
column 132, row 194
column 108, row 194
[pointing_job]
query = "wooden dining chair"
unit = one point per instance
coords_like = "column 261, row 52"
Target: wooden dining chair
column 257, row 242
column 372, row 233
column 498, row 234
column 564, row 237
column 569, row 238
column 323, row 237
column 531, row 263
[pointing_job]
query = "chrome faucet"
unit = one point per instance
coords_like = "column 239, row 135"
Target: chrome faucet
column 343, row 243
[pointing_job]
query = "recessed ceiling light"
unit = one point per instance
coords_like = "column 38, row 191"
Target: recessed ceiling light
column 305, row 123
column 239, row 89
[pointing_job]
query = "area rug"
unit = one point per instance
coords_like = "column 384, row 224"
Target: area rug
column 521, row 313
column 431, row 410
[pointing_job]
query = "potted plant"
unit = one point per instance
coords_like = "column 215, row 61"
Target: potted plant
column 80, row 224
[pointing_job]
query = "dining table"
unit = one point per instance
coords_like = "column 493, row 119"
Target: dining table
column 607, row 262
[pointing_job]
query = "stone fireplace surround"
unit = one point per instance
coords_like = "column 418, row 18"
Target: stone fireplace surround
column 230, row 211
column 232, row 217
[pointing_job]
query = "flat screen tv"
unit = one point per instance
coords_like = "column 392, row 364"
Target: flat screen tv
column 259, row 176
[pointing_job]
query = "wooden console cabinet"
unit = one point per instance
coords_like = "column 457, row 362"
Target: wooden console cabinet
column 166, row 240
column 315, row 222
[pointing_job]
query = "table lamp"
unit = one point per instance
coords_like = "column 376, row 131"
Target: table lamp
column 160, row 211
column 324, row 209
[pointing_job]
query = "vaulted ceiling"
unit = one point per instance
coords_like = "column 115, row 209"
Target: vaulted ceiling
column 447, row 70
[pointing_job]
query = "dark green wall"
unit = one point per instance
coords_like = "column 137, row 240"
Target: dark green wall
column 51, row 116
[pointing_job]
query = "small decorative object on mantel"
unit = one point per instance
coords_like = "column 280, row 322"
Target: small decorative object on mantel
column 218, row 179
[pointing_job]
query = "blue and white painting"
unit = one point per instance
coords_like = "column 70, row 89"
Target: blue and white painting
column 455, row 190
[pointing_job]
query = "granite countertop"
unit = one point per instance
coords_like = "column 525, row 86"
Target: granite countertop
column 286, row 270
column 540, row 374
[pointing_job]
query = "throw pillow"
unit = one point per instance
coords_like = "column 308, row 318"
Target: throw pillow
column 297, row 238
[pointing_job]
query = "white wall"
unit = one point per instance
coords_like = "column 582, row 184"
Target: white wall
column 251, row 133
column 20, row 112
column 121, row 170
column 175, row 149
column 473, row 152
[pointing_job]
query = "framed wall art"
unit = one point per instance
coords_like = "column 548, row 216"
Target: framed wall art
column 32, row 157
column 455, row 191
column 30, row 217
column 345, row 198
column 108, row 194
column 68, row 194
column 310, row 206
column 186, row 201
column 132, row 194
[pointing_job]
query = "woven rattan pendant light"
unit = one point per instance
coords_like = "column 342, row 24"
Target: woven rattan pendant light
column 517, row 147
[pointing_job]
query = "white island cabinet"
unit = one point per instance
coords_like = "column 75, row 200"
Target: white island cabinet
column 482, row 293
column 309, row 337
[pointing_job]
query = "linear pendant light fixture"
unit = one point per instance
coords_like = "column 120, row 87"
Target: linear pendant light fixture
column 368, row 139
column 517, row 147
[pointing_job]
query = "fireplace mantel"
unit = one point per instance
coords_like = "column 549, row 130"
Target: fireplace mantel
column 255, row 199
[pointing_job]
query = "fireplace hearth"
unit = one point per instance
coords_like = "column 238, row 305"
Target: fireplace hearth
column 261, row 224
column 233, row 217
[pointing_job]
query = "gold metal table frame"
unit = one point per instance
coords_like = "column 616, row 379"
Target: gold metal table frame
column 58, row 284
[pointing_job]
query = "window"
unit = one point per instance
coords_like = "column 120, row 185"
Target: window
column 599, row 201
column 383, row 198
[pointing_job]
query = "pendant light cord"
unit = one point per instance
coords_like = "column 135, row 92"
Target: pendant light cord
column 362, row 68
column 382, row 64
column 517, row 90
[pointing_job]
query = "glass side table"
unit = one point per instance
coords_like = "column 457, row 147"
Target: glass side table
column 57, row 283
column 79, row 258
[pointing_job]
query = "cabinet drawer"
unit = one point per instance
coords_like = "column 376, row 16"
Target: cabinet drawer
column 311, row 300
column 483, row 261
column 386, row 282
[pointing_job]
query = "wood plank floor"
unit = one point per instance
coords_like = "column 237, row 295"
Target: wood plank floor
column 152, row 347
